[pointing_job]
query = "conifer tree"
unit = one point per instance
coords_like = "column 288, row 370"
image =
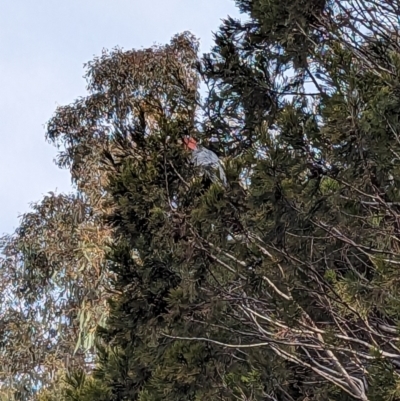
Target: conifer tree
column 324, row 193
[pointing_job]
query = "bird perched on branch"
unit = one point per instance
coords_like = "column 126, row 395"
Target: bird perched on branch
column 207, row 160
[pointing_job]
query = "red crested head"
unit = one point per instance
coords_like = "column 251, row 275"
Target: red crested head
column 190, row 143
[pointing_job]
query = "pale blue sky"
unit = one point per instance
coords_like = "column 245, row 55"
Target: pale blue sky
column 43, row 45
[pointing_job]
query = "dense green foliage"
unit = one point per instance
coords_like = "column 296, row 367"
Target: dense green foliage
column 284, row 286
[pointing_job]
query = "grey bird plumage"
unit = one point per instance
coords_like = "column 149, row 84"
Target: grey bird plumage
column 212, row 165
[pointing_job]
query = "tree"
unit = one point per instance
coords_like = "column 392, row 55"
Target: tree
column 318, row 218
column 158, row 276
column 45, row 297
column 324, row 193
column 283, row 285
column 54, row 277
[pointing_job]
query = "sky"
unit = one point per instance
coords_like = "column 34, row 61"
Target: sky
column 43, row 46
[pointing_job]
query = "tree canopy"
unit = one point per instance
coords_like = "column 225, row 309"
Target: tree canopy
column 282, row 286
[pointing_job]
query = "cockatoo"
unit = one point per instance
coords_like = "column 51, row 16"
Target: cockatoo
column 207, row 160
